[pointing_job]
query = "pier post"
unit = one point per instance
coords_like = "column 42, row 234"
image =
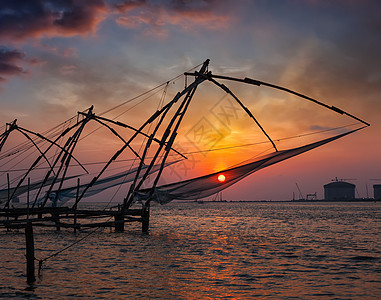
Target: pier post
column 119, row 222
column 56, row 218
column 75, row 206
column 75, row 220
column 29, row 253
column 145, row 218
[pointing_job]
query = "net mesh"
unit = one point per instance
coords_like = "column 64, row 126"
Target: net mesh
column 205, row 186
column 5, row 193
column 70, row 193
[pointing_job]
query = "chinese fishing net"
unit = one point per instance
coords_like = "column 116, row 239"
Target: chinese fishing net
column 66, row 194
column 205, row 186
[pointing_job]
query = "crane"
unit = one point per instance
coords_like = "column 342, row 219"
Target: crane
column 300, row 193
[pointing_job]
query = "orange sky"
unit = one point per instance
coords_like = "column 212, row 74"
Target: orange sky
column 104, row 53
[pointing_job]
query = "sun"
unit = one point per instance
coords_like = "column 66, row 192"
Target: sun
column 221, row 178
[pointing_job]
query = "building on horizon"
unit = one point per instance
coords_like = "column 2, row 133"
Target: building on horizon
column 339, row 190
column 377, row 191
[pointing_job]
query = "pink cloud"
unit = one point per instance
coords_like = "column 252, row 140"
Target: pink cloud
column 9, row 60
column 187, row 15
column 68, row 69
column 39, row 18
column 70, row 52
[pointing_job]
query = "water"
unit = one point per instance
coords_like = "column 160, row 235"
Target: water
column 211, row 251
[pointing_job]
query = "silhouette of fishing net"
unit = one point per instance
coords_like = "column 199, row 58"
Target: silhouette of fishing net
column 4, row 193
column 207, row 185
column 64, row 195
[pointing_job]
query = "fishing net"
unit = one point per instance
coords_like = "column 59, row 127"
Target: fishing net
column 205, row 186
column 16, row 192
column 64, row 195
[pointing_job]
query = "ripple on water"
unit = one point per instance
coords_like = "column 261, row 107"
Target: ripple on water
column 216, row 250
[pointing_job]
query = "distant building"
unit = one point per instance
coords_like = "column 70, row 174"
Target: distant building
column 377, row 191
column 339, row 190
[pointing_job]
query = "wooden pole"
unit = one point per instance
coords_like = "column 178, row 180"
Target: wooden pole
column 9, row 197
column 29, row 253
column 9, row 190
column 75, row 207
column 119, row 222
column 57, row 221
column 27, row 201
column 145, row 217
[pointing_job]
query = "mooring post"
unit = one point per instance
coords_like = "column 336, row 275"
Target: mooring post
column 75, row 220
column 29, row 252
column 119, row 221
column 40, row 212
column 27, row 201
column 145, row 217
column 9, row 198
column 56, row 218
column 75, row 206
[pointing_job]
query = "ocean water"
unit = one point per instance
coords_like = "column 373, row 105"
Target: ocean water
column 210, row 251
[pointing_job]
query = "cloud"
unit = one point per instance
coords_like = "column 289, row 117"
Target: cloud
column 22, row 19
column 342, row 68
column 9, row 60
column 158, row 15
column 68, row 69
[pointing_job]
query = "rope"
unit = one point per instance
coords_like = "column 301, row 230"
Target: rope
column 156, row 87
column 160, row 104
column 40, row 261
column 266, row 142
column 202, row 151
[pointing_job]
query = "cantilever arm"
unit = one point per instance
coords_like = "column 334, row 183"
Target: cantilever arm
column 121, row 124
column 227, row 90
column 53, row 143
column 259, row 83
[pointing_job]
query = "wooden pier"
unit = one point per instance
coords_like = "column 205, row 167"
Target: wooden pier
column 65, row 217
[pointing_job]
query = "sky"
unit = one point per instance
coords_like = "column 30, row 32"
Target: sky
column 60, row 57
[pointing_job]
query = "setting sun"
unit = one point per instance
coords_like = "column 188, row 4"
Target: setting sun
column 221, row 178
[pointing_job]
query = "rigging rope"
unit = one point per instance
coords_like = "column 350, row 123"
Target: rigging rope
column 51, row 131
column 40, row 261
column 160, row 85
column 203, row 151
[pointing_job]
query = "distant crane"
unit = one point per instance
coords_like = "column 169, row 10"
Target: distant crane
column 300, row 193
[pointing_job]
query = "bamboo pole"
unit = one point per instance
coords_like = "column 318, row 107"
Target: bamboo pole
column 145, row 217
column 27, row 201
column 29, row 253
column 75, row 206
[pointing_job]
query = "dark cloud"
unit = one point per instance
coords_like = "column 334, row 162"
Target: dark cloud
column 180, row 13
column 179, row 5
column 21, row 19
column 9, row 60
column 340, row 64
column 126, row 6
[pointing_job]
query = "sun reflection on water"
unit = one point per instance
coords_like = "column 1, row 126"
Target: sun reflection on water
column 213, row 250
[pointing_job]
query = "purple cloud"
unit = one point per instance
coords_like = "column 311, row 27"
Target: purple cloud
column 9, row 60
column 183, row 14
column 22, row 19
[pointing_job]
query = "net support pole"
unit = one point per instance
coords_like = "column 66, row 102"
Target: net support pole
column 75, row 206
column 9, row 191
column 145, row 217
column 30, row 277
column 119, row 222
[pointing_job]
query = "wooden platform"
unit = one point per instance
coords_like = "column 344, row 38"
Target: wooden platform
column 65, row 217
